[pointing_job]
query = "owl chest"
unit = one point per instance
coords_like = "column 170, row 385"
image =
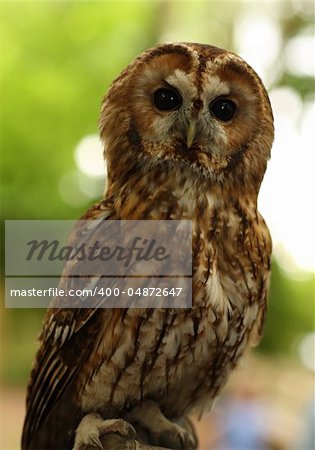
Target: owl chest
column 179, row 357
column 184, row 353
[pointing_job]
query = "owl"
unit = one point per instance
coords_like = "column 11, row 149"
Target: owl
column 187, row 131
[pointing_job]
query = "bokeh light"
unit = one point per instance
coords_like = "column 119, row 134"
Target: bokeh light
column 298, row 54
column 307, row 351
column 258, row 40
column 89, row 156
column 70, row 189
column 287, row 195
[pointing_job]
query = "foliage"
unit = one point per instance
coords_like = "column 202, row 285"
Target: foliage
column 57, row 61
column 290, row 312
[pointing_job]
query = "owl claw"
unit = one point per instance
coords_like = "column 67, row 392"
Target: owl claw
column 95, row 442
column 177, row 438
column 92, row 427
column 162, row 431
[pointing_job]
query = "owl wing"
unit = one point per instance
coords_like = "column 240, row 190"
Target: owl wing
column 66, row 342
column 261, row 258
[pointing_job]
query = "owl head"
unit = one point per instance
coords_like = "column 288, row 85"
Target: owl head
column 188, row 107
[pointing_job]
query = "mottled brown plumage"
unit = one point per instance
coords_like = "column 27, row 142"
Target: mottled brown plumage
column 184, row 163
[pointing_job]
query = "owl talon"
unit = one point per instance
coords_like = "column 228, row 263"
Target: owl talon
column 174, row 437
column 162, row 431
column 92, row 427
column 177, row 437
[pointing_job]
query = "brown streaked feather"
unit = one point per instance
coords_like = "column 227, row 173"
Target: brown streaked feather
column 59, row 360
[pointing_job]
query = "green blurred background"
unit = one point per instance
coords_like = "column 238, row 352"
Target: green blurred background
column 57, row 60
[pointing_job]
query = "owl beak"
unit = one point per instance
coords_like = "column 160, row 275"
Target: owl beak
column 190, row 133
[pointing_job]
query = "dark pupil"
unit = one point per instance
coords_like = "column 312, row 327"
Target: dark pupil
column 223, row 109
column 167, row 99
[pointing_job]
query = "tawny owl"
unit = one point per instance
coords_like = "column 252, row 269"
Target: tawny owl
column 187, row 131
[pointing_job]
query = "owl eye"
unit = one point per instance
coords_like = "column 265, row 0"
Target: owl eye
column 223, row 109
column 167, row 99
